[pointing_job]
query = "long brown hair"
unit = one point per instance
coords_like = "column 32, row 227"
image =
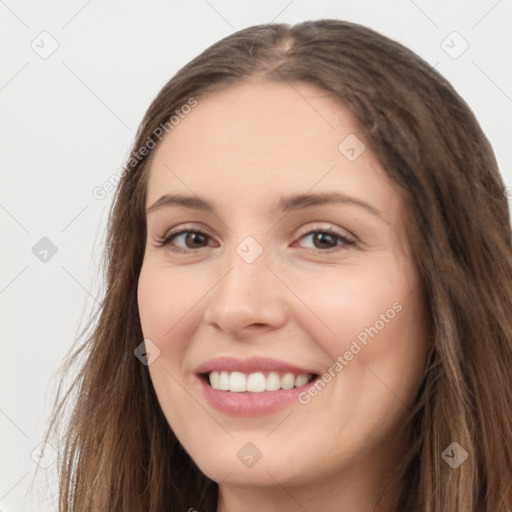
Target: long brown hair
column 117, row 450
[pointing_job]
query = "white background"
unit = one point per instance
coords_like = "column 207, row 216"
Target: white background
column 67, row 123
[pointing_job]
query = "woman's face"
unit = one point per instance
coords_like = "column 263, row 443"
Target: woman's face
column 292, row 263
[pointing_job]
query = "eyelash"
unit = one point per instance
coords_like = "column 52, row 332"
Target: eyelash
column 165, row 241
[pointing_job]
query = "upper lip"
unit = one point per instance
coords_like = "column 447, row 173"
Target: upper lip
column 250, row 365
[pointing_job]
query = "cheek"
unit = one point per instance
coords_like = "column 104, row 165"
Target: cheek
column 165, row 297
column 170, row 308
column 352, row 304
column 373, row 328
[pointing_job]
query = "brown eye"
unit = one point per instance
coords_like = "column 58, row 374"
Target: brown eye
column 323, row 239
column 195, row 239
column 185, row 240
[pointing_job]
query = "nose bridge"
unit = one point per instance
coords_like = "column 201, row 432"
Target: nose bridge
column 248, row 275
column 247, row 294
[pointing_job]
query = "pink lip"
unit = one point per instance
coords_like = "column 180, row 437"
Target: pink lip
column 249, row 404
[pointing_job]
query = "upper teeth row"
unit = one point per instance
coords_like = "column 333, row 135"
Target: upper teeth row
column 238, row 382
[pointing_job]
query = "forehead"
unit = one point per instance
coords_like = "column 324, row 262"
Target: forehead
column 251, row 142
column 261, row 120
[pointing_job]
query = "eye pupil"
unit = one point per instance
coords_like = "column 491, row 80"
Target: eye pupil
column 194, row 237
column 324, row 238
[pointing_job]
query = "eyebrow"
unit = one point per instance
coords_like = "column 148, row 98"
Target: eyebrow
column 285, row 204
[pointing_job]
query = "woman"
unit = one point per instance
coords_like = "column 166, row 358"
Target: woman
column 309, row 277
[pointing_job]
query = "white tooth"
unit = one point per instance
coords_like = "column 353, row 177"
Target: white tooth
column 224, row 381
column 237, row 382
column 300, row 380
column 288, row 381
column 256, row 382
column 214, row 380
column 273, row 382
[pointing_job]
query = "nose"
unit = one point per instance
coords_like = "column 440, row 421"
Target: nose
column 249, row 297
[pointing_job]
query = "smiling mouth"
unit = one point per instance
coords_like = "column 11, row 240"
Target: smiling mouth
column 257, row 382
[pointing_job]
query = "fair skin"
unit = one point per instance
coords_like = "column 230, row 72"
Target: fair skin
column 304, row 300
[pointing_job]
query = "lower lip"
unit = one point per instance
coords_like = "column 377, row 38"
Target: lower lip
column 250, row 404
